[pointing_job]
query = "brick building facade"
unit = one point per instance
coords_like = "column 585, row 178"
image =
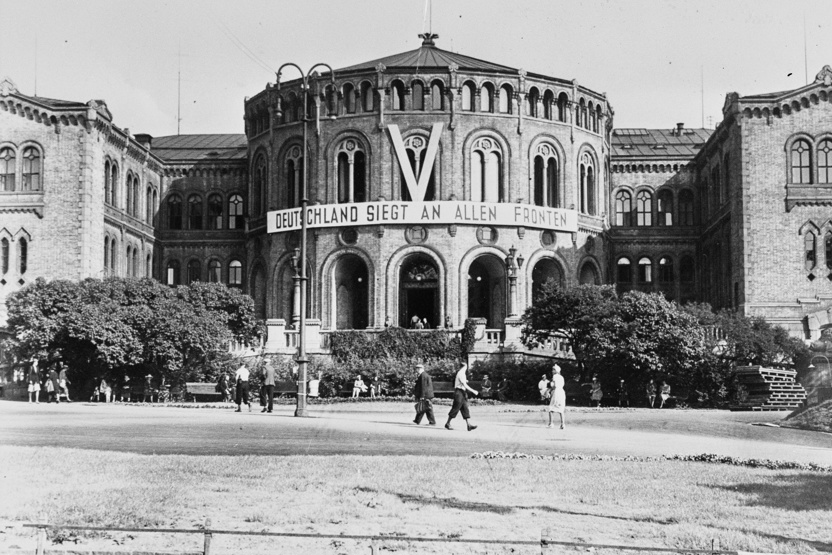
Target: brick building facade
column 510, row 178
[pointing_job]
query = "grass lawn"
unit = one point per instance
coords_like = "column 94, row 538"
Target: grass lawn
column 817, row 418
column 661, row 503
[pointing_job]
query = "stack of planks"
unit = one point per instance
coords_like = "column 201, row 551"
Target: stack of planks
column 768, row 389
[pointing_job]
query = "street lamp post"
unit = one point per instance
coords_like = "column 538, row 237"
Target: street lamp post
column 513, row 263
column 300, row 408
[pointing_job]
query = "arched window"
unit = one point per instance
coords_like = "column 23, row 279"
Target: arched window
column 214, row 211
column 148, row 266
column 106, row 255
column 563, row 106
column 686, row 207
column 136, row 268
column 505, row 99
column 486, row 171
column 114, row 184
column 397, row 95
column 23, row 255
column 645, row 270
column 418, row 95
column 437, row 95
column 294, row 177
column 127, row 260
column 825, row 161
column 352, row 172
column 532, row 100
column 548, row 104
column 8, row 165
column 598, row 117
column 349, row 98
column 137, row 197
column 31, row 169
column 4, row 255
column 368, row 97
column 416, row 148
column 487, row 98
column 235, row 212
column 112, row 257
column 108, row 199
column 590, row 123
column 809, row 250
column 623, row 208
column 665, row 270
column 195, row 212
column 129, row 197
column 580, row 108
column 644, row 209
column 235, row 273
column 827, row 244
column 214, row 271
column 687, row 270
column 587, row 184
column 624, row 272
column 193, row 271
column 468, row 95
column 546, row 176
column 664, row 207
column 801, row 160
column 259, row 182
column 148, row 205
column 174, row 212
column 172, row 273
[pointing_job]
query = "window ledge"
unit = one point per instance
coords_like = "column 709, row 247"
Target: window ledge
column 17, row 202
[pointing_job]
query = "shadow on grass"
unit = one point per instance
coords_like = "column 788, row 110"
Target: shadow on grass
column 792, row 492
column 452, row 503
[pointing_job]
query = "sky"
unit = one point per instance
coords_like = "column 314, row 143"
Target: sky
column 660, row 62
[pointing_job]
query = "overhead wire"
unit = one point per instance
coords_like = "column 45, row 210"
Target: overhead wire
column 241, row 45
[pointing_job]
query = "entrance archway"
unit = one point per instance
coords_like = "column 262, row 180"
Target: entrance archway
column 487, row 290
column 588, row 275
column 418, row 291
column 351, row 293
column 546, row 269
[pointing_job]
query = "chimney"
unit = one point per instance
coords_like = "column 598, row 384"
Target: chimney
column 679, row 127
column 143, row 139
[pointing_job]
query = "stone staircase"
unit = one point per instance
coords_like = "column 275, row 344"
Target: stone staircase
column 768, row 389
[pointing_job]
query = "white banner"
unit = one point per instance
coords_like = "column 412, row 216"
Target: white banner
column 424, row 213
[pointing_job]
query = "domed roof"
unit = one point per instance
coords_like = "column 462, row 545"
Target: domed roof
column 427, row 57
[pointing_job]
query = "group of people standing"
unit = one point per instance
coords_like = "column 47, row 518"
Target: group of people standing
column 56, row 383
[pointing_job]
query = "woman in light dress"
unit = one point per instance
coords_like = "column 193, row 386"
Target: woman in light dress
column 557, row 399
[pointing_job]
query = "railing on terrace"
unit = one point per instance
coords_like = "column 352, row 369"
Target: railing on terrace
column 326, row 336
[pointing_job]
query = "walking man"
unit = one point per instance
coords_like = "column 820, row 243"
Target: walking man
column 268, row 383
column 423, row 393
column 63, row 383
column 241, row 377
column 461, row 389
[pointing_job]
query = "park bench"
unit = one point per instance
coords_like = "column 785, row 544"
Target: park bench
column 447, row 388
column 203, row 391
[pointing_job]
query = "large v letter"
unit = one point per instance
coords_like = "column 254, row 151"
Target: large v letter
column 417, row 189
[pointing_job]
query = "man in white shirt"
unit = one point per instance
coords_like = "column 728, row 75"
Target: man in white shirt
column 543, row 387
column 241, row 377
column 461, row 389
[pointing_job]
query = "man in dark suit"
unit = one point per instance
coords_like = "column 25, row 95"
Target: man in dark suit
column 424, row 393
column 268, row 386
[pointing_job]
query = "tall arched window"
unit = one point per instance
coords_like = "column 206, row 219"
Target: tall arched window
column 108, row 198
column 563, row 106
column 114, row 184
column 598, row 118
column 368, row 97
column 214, row 271
column 31, row 169
column 137, row 197
column 664, row 207
column 259, row 183
column 687, row 269
column 106, row 256
column 825, row 161
column 665, row 270
column 4, row 255
column 195, row 212
column 8, row 165
column 23, row 255
column 172, row 273
column 136, row 268
column 487, row 98
column 809, row 250
column 624, row 271
column 174, row 212
column 486, row 171
column 148, row 205
column 468, row 96
column 214, row 211
column 129, row 190
column 235, row 273
column 505, row 99
column 418, row 95
column 644, row 209
column 416, row 148
column 352, row 172
column 349, row 98
column 827, row 244
column 437, row 95
column 686, row 207
column 546, row 176
column 194, row 271
column 397, row 95
column 580, row 109
column 590, row 123
column 623, row 208
column 532, row 100
column 112, row 256
column 148, row 266
column 128, row 262
column 645, row 270
column 587, row 184
column 294, row 176
column 548, row 104
column 235, row 212
column 801, row 160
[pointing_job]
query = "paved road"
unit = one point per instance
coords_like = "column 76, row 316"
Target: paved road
column 386, row 428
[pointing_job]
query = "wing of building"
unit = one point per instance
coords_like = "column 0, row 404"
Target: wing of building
column 441, row 187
